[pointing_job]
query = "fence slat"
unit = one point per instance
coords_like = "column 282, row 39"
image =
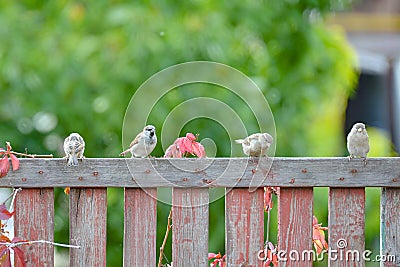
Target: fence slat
column 390, row 226
column 244, row 221
column 295, row 211
column 190, row 227
column 346, row 225
column 34, row 220
column 88, row 226
column 140, row 225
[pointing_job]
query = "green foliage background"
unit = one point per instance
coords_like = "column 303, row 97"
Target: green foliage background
column 69, row 66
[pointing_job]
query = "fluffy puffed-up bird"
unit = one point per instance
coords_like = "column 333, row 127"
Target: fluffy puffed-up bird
column 74, row 146
column 143, row 144
column 256, row 145
column 357, row 141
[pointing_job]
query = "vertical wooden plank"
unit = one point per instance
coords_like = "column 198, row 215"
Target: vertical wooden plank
column 88, row 221
column 390, row 227
column 140, row 223
column 190, row 226
column 295, row 212
column 244, row 221
column 346, row 226
column 34, row 220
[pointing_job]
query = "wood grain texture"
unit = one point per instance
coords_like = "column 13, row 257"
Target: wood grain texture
column 190, row 227
column 390, row 226
column 346, row 226
column 295, row 211
column 88, row 226
column 208, row 172
column 34, row 220
column 244, row 222
column 140, row 223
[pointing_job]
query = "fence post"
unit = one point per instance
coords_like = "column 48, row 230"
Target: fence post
column 346, row 226
column 244, row 221
column 140, row 223
column 295, row 212
column 34, row 220
column 88, row 226
column 390, row 226
column 190, row 226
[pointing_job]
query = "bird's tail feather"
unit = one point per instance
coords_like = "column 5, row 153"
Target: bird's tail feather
column 72, row 161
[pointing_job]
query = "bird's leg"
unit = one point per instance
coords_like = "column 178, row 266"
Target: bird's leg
column 365, row 160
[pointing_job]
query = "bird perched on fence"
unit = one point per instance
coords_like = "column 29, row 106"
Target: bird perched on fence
column 357, row 142
column 74, row 146
column 256, row 145
column 143, row 144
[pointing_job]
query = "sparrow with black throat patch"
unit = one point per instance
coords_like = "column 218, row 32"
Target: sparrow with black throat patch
column 143, row 144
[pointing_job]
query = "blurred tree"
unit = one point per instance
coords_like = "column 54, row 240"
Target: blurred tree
column 73, row 66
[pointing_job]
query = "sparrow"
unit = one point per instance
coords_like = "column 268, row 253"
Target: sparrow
column 256, row 145
column 357, row 142
column 74, row 146
column 143, row 144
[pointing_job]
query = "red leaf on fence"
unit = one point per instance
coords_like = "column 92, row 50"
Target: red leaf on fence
column 4, row 166
column 4, row 252
column 4, row 213
column 319, row 236
column 15, row 162
column 183, row 146
column 219, row 260
column 19, row 254
column 20, row 257
column 5, row 257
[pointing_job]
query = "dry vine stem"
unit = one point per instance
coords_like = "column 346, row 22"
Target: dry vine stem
column 11, row 245
column 165, row 239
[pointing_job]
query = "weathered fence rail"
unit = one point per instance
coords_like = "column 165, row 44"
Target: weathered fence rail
column 190, row 180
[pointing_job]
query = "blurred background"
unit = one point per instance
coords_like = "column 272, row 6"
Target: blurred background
column 73, row 66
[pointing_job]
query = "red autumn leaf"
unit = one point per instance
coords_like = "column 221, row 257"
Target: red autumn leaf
column 173, row 151
column 4, row 213
column 183, row 146
column 5, row 258
column 4, row 166
column 67, row 190
column 319, row 236
column 15, row 162
column 4, row 251
column 199, row 150
column 213, row 255
column 191, row 137
column 218, row 260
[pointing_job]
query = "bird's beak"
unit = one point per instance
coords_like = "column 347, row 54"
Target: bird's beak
column 360, row 130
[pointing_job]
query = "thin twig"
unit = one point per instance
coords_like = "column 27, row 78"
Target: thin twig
column 31, row 155
column 11, row 245
column 13, row 197
column 10, row 196
column 11, row 209
column 165, row 239
column 268, row 217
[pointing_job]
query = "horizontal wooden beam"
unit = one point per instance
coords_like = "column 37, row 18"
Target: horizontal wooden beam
column 208, row 172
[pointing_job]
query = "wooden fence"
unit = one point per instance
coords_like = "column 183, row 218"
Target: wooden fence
column 191, row 180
